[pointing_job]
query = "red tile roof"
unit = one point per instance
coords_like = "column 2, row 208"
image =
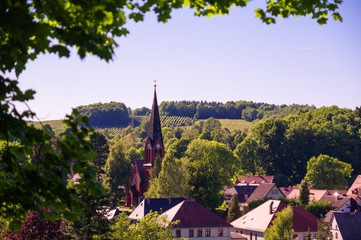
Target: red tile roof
column 192, row 214
column 261, row 191
column 255, row 179
column 355, row 189
column 303, row 219
column 260, row 218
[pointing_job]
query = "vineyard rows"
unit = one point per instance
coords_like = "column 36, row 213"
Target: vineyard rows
column 166, row 121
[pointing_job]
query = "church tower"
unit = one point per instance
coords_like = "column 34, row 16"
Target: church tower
column 154, row 146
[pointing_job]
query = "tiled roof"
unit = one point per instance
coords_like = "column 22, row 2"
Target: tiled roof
column 315, row 194
column 192, row 214
column 261, row 191
column 303, row 219
column 255, row 179
column 260, row 218
column 349, row 225
column 337, row 202
column 139, row 168
column 328, row 216
column 355, row 186
column 159, row 205
column 286, row 190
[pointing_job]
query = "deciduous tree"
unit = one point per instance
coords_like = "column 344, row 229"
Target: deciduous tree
column 211, row 167
column 117, row 170
column 328, row 172
column 281, row 227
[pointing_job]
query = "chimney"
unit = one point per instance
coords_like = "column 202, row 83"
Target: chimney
column 148, row 200
column 271, row 208
column 169, row 200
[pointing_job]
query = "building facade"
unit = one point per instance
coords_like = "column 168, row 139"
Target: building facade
column 153, row 149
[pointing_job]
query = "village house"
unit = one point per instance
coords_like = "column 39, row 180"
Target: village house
column 253, row 224
column 315, row 194
column 197, row 222
column 346, row 226
column 244, row 188
column 265, row 190
column 159, row 205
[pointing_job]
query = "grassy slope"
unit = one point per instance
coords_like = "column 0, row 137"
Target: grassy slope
column 54, row 124
column 234, row 124
column 228, row 123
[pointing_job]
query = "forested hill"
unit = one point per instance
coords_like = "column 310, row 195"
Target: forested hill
column 115, row 114
column 246, row 110
column 103, row 115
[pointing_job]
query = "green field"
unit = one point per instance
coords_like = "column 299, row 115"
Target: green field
column 54, row 124
column 173, row 121
column 237, row 124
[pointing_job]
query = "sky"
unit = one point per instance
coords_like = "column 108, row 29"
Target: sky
column 222, row 58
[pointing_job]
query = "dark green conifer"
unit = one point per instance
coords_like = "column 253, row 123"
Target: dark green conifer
column 234, row 210
column 304, row 197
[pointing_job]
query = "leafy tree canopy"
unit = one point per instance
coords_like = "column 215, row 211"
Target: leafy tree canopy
column 281, row 227
column 325, row 172
column 211, row 167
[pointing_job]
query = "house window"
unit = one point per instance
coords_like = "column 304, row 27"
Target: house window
column 336, row 235
column 255, row 236
column 220, row 232
column 208, row 232
column 191, row 233
column 178, row 233
column 199, row 232
column 250, row 236
column 274, row 191
column 294, row 236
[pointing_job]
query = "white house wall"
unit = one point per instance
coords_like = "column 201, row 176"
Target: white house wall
column 214, row 233
column 346, row 207
column 275, row 193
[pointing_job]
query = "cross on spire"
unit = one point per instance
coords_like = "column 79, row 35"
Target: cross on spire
column 155, row 83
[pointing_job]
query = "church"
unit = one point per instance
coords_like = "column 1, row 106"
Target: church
column 141, row 172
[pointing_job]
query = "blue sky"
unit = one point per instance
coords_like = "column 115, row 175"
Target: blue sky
column 223, row 58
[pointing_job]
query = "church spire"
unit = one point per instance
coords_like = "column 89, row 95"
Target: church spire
column 155, row 130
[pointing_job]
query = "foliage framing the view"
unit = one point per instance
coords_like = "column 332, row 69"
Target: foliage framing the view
column 40, row 26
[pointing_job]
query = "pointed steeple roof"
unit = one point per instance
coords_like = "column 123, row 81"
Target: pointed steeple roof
column 155, row 130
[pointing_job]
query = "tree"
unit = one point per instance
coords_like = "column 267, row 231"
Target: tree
column 304, row 197
column 172, row 180
column 33, row 227
column 211, row 167
column 93, row 224
column 151, row 226
column 101, row 147
column 117, row 170
column 328, row 172
column 40, row 26
column 281, row 227
column 234, row 210
column 323, row 231
column 308, row 236
column 319, row 209
column 157, row 167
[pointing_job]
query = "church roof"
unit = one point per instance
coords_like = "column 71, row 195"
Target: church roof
column 155, row 130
